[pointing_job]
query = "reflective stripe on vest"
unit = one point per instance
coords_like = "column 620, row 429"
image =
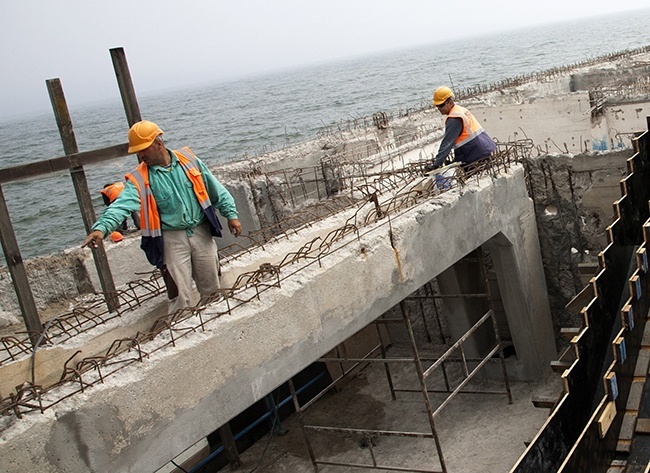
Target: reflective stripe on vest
column 187, row 159
column 150, row 225
column 471, row 126
column 149, row 217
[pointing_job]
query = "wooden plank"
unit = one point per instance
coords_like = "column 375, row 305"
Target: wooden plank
column 634, row 398
column 627, row 427
column 617, row 466
column 569, row 332
column 560, row 366
column 624, row 446
column 81, row 189
column 606, row 418
column 587, row 268
column 546, row 402
column 580, row 300
column 642, row 363
column 586, row 271
column 64, row 163
column 645, row 342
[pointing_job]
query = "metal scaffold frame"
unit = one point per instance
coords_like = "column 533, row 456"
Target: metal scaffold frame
column 425, row 367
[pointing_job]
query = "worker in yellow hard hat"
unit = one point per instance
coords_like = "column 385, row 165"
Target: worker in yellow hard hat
column 463, row 133
column 176, row 195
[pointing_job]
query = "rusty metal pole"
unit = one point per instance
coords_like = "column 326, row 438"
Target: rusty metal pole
column 423, row 384
column 125, row 84
column 229, row 446
column 18, row 273
column 84, row 199
column 301, row 420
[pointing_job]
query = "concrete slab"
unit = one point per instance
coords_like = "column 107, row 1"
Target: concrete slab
column 143, row 416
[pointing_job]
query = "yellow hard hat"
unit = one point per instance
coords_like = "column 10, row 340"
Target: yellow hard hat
column 142, row 134
column 441, row 94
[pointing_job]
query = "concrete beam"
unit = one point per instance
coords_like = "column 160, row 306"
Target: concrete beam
column 149, row 412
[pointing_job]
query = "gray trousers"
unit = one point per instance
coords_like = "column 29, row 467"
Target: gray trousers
column 191, row 258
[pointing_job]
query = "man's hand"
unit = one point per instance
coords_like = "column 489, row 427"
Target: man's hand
column 93, row 239
column 234, row 226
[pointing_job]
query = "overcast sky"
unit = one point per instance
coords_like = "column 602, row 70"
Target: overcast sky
column 169, row 44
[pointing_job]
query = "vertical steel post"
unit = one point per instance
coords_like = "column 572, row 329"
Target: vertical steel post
column 18, row 273
column 296, row 406
column 430, row 292
column 84, row 199
column 229, row 446
column 389, row 378
column 423, row 384
column 125, row 85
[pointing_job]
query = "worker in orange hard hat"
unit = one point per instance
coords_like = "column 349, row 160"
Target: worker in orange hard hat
column 176, row 195
column 463, row 133
column 109, row 193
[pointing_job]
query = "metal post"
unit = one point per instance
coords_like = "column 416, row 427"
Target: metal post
column 84, row 199
column 229, row 446
column 296, row 406
column 423, row 384
column 430, row 292
column 18, row 273
column 125, row 84
column 389, row 378
column 276, row 423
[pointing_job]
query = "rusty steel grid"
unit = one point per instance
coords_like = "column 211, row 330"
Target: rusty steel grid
column 366, row 211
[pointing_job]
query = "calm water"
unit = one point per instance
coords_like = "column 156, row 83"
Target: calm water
column 222, row 121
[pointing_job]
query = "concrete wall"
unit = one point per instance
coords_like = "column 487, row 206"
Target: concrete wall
column 556, row 124
column 54, row 280
column 573, row 202
column 565, row 123
column 612, row 127
column 145, row 415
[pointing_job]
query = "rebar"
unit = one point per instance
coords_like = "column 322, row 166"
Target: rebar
column 166, row 330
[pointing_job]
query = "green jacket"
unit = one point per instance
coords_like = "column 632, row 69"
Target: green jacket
column 177, row 204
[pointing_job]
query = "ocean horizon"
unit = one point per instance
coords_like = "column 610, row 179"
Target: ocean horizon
column 222, row 121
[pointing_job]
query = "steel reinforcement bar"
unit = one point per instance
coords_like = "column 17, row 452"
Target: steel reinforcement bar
column 81, row 374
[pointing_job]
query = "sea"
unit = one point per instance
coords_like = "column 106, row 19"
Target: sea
column 225, row 121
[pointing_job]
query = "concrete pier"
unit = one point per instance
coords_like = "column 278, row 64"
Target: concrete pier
column 141, row 417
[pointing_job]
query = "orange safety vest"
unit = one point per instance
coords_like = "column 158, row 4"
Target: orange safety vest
column 111, row 192
column 471, row 127
column 151, row 241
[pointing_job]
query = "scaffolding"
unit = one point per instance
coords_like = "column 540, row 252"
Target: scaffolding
column 425, row 367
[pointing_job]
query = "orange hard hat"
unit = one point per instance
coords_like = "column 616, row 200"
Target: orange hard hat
column 441, row 94
column 142, row 134
column 116, row 236
column 112, row 190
